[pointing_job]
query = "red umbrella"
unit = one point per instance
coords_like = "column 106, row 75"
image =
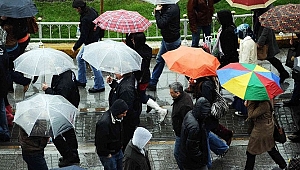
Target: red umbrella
column 192, row 62
column 285, row 18
column 250, row 4
column 122, row 21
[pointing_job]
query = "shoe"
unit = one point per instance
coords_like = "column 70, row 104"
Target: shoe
column 240, row 114
column 223, row 154
column 283, row 76
column 230, row 135
column 68, row 161
column 294, row 138
column 151, row 87
column 92, row 90
column 148, row 107
column 290, row 103
column 80, row 84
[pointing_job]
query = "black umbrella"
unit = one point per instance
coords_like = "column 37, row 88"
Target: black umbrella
column 17, row 8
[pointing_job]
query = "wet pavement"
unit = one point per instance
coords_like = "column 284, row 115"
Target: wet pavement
column 161, row 146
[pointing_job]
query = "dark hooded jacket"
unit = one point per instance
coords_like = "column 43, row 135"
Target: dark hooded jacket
column 181, row 105
column 89, row 32
column 228, row 38
column 109, row 133
column 193, row 140
column 64, row 84
column 168, row 21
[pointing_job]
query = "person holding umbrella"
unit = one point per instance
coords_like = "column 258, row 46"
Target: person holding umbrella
column 89, row 33
column 266, row 36
column 168, row 21
column 66, row 143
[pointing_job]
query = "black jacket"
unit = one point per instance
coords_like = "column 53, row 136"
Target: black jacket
column 181, row 105
column 108, row 136
column 134, row 159
column 145, row 52
column 168, row 21
column 89, row 32
column 64, row 84
column 228, row 38
column 193, row 139
column 3, row 72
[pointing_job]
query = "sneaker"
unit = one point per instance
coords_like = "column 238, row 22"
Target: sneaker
column 240, row 114
column 92, row 90
column 151, row 87
column 80, row 84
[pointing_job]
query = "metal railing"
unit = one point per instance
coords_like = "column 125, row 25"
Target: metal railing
column 66, row 31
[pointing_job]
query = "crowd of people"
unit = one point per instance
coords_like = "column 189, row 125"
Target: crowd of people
column 119, row 140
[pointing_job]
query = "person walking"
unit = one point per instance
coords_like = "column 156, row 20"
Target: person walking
column 135, row 155
column 266, row 36
column 261, row 138
column 64, row 84
column 168, row 21
column 200, row 14
column 89, row 33
column 137, row 41
column 108, row 135
column 226, row 45
column 193, row 146
column 123, row 87
column 182, row 103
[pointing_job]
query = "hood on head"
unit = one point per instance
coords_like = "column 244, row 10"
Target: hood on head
column 78, row 3
column 225, row 18
column 141, row 137
column 201, row 109
column 118, row 107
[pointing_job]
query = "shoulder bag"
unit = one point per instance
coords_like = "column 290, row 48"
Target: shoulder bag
column 279, row 134
column 290, row 57
column 219, row 107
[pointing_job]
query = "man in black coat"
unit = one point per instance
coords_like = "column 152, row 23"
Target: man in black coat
column 108, row 136
column 181, row 105
column 66, row 143
column 124, row 88
column 193, row 145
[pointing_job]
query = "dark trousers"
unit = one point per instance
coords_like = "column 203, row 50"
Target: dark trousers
column 277, row 64
column 35, row 161
column 67, row 144
column 275, row 155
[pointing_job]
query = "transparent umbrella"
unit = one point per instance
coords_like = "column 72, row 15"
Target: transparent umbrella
column 112, row 56
column 41, row 61
column 37, row 114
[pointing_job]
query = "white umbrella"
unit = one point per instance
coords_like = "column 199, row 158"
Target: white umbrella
column 112, row 56
column 49, row 111
column 41, row 61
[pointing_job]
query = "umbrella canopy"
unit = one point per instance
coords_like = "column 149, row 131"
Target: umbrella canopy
column 17, row 8
column 249, row 81
column 122, row 21
column 112, row 56
column 41, row 61
column 57, row 111
column 192, row 62
column 250, row 4
column 285, row 18
column 157, row 2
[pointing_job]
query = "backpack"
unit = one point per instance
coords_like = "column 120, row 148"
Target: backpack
column 101, row 32
column 74, row 97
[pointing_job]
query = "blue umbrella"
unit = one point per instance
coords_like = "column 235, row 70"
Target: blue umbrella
column 17, row 8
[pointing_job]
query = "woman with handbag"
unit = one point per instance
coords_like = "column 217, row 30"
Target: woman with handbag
column 261, row 138
column 266, row 37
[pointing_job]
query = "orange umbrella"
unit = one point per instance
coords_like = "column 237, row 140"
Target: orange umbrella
column 192, row 62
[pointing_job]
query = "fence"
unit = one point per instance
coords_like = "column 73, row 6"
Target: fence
column 66, row 31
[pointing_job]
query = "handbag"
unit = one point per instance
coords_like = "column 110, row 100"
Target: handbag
column 262, row 52
column 290, row 58
column 219, row 107
column 32, row 25
column 279, row 133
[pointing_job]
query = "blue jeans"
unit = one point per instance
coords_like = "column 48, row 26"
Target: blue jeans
column 114, row 162
column 216, row 145
column 36, row 161
column 98, row 78
column 160, row 62
column 176, row 152
column 4, row 131
column 196, row 35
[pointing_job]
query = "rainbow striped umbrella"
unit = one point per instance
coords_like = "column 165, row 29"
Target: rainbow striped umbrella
column 249, row 81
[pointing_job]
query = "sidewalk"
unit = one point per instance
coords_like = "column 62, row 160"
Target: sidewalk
column 161, row 147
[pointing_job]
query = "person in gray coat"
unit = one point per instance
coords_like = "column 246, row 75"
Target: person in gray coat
column 266, row 36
